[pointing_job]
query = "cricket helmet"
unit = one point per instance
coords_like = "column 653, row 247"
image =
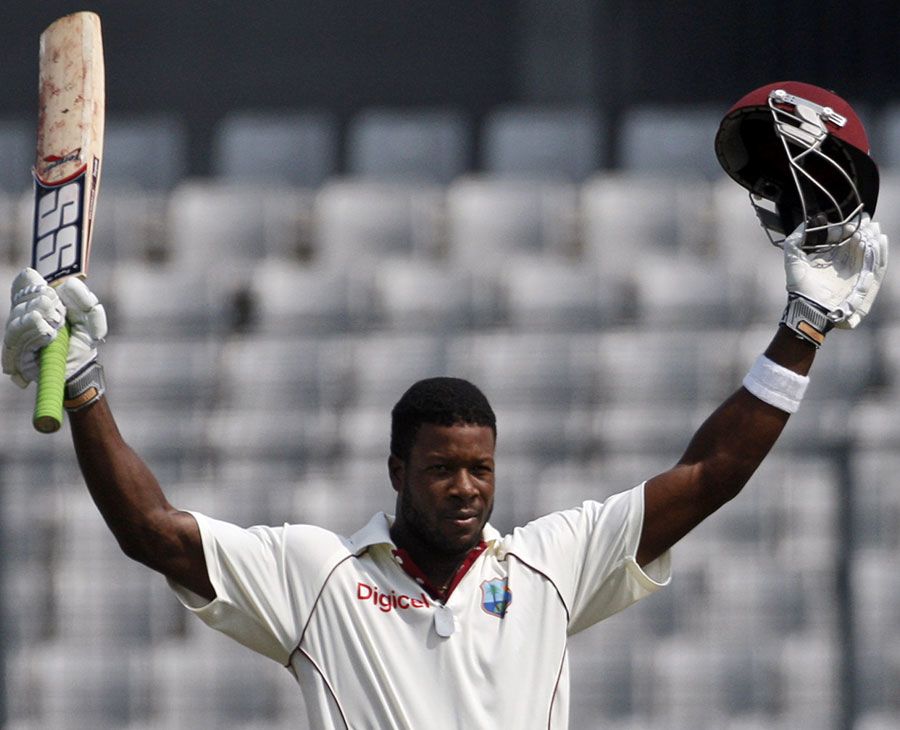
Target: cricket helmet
column 803, row 154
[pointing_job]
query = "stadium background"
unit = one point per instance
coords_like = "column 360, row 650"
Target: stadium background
column 523, row 193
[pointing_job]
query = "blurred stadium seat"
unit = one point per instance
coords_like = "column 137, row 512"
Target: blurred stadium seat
column 146, row 152
column 623, row 429
column 17, row 139
column 673, row 292
column 628, row 219
column 543, row 142
column 365, row 221
column 528, row 369
column 427, row 145
column 344, row 496
column 16, row 221
column 876, row 624
column 104, row 689
column 673, row 140
column 173, row 441
column 365, row 432
column 754, row 268
column 158, row 301
column 549, row 293
column 688, row 678
column 295, row 299
column 876, row 500
column 602, row 677
column 809, row 680
column 489, row 219
column 876, row 720
column 223, row 229
column 296, row 148
column 888, row 136
column 413, row 295
column 134, row 609
column 658, row 365
column 270, row 371
column 131, row 226
column 273, row 433
column 179, row 373
column 382, row 368
column 213, row 678
column 548, row 434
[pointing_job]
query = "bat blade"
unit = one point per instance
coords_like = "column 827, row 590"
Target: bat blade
column 69, row 152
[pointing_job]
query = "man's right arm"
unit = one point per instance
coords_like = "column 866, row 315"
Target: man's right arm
column 148, row 528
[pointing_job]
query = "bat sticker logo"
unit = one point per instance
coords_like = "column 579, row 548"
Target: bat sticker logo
column 58, row 229
column 54, row 161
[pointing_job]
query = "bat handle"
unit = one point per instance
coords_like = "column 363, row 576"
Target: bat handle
column 48, row 404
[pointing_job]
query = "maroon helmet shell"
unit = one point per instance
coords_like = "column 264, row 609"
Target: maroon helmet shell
column 751, row 152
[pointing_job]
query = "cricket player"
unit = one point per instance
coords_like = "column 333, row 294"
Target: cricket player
column 428, row 617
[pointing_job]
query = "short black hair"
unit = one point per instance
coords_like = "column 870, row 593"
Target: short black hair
column 441, row 401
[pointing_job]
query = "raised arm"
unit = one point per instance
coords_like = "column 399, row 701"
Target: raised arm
column 831, row 288
column 146, row 526
column 720, row 459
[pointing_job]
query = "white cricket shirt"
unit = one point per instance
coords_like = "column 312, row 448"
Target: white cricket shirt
column 371, row 649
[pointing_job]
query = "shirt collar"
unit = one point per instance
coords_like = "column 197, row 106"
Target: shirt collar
column 377, row 531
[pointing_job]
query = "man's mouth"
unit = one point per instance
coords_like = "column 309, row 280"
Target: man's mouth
column 463, row 518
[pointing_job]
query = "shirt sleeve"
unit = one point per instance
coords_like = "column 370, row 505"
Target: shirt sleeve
column 267, row 580
column 589, row 552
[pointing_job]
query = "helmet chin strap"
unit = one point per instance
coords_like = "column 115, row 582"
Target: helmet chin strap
column 802, row 132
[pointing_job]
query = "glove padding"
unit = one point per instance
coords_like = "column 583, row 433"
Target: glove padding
column 38, row 312
column 842, row 281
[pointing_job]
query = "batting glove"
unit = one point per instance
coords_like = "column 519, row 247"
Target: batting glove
column 834, row 287
column 38, row 312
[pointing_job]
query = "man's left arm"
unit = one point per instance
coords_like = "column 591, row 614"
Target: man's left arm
column 720, row 458
column 834, row 288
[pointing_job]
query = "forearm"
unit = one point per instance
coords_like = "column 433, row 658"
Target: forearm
column 720, row 459
column 120, row 483
column 734, row 440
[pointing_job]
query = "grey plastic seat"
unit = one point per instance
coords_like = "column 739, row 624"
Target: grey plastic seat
column 491, row 218
column 408, row 144
column 543, row 142
column 671, row 140
column 145, row 152
column 297, row 148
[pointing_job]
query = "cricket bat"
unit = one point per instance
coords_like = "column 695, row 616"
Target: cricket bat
column 71, row 106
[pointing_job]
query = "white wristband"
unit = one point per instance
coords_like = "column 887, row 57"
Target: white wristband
column 776, row 385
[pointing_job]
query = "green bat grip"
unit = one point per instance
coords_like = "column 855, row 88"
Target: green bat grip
column 51, row 384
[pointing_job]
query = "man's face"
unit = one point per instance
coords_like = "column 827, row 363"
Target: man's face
column 445, row 490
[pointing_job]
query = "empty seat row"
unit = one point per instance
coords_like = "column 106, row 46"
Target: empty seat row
column 305, row 146
column 689, row 240
column 173, row 686
column 650, row 367
column 612, row 249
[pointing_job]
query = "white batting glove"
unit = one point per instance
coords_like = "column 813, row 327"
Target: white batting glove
column 38, row 312
column 834, row 287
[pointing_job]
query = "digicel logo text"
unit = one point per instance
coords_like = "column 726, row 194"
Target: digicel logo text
column 389, row 601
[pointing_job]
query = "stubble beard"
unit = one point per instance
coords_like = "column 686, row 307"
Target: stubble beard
column 422, row 526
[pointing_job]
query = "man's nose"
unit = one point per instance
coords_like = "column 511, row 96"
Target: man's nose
column 463, row 483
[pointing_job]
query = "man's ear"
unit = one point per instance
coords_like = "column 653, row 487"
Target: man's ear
column 396, row 469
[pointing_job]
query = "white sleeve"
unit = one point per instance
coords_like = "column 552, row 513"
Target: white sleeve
column 589, row 552
column 266, row 579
